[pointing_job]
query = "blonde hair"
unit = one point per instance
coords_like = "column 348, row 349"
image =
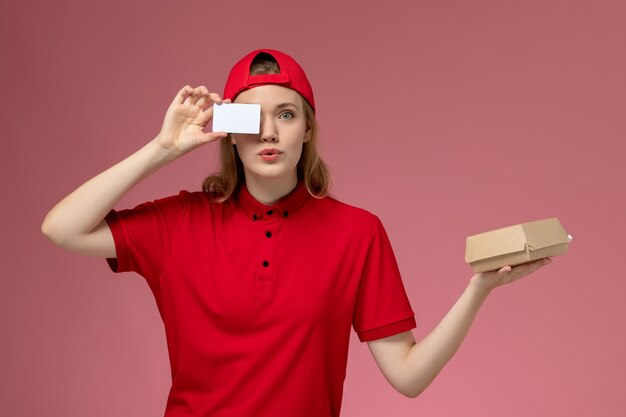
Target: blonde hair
column 310, row 168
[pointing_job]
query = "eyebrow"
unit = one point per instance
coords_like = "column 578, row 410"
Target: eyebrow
column 281, row 105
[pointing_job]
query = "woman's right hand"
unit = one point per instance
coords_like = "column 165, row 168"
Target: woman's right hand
column 189, row 113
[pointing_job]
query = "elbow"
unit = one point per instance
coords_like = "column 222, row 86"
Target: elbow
column 45, row 230
column 410, row 391
column 412, row 388
column 414, row 394
column 48, row 231
column 48, row 234
column 46, row 226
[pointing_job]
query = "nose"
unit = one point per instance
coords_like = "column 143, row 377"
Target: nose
column 268, row 130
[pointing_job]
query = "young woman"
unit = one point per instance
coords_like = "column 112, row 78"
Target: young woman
column 260, row 276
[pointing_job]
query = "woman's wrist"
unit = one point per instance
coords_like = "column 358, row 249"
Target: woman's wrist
column 159, row 154
column 479, row 287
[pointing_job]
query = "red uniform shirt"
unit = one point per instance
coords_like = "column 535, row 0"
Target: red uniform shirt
column 258, row 301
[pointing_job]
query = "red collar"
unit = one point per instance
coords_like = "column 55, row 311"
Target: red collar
column 284, row 207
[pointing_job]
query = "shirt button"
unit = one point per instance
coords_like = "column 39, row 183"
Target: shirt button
column 254, row 217
column 265, row 263
column 268, row 234
column 285, row 214
column 270, row 212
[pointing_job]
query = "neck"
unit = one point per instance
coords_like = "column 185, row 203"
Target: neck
column 269, row 190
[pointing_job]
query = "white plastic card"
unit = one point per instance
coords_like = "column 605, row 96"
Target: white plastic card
column 236, row 118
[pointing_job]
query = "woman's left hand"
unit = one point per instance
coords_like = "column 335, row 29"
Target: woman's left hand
column 507, row 274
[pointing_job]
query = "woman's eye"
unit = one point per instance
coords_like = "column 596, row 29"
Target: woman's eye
column 287, row 112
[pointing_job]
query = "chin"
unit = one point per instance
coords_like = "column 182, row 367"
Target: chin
column 272, row 172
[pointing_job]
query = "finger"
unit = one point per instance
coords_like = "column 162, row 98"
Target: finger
column 208, row 113
column 183, row 93
column 530, row 267
column 535, row 265
column 197, row 94
column 505, row 269
column 204, row 102
column 216, row 98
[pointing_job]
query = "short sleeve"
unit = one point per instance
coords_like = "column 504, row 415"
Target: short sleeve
column 144, row 234
column 382, row 306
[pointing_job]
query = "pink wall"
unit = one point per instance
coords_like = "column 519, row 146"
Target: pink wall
column 444, row 118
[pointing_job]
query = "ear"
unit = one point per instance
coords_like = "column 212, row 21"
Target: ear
column 232, row 138
column 307, row 134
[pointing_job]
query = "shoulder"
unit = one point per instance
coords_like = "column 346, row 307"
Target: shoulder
column 184, row 198
column 346, row 209
column 180, row 202
column 198, row 197
column 349, row 214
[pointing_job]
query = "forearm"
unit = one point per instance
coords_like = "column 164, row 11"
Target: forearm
column 428, row 356
column 82, row 210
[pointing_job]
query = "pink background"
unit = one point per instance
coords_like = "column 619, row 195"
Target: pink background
column 444, row 118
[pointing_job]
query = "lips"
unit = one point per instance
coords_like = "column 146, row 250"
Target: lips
column 270, row 151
